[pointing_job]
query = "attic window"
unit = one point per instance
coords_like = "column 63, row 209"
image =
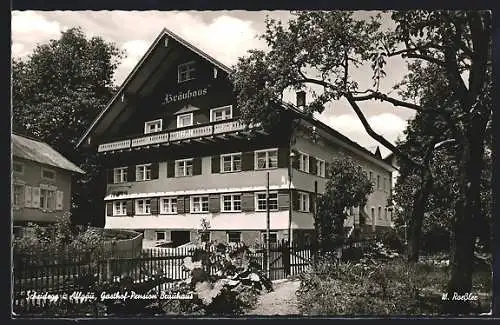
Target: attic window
column 152, row 126
column 48, row 174
column 186, row 71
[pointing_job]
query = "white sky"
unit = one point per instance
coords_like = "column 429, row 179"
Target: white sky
column 225, row 35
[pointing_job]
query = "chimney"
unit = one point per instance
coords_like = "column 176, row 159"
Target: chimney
column 301, row 99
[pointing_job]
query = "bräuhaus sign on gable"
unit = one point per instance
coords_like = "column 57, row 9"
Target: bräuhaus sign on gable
column 182, row 95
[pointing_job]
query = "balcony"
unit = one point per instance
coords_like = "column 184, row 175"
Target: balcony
column 198, row 132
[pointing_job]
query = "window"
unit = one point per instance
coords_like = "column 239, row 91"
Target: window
column 18, row 195
column 199, row 204
column 120, row 208
column 233, row 237
column 160, row 235
column 143, row 206
column 184, row 120
column 120, row 175
column 379, row 212
column 373, row 218
column 168, row 205
column 231, row 162
column 18, row 168
column 304, row 202
column 221, row 113
column 304, row 162
column 266, row 159
column 378, row 182
column 48, row 174
column 47, row 199
column 320, row 167
column 371, row 176
column 143, row 172
column 186, row 71
column 385, row 213
column 152, row 126
column 231, row 203
column 273, row 238
column 184, row 167
column 385, row 184
column 261, row 201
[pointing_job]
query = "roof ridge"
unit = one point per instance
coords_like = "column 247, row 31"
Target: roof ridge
column 30, row 137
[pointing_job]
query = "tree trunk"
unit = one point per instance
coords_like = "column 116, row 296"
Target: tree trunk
column 417, row 215
column 467, row 211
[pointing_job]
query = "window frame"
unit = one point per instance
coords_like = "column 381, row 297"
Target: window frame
column 232, row 201
column 160, row 232
column 20, row 164
column 144, row 212
column 180, row 116
column 144, row 172
column 170, row 205
column 123, row 208
column 200, row 197
column 231, row 155
column 44, row 200
column 302, row 168
column 303, row 195
column 266, row 151
column 184, row 161
column 190, row 67
column 153, row 122
column 233, row 232
column 123, row 178
column 22, row 189
column 256, row 197
column 49, row 170
column 320, row 167
column 221, row 108
column 263, row 237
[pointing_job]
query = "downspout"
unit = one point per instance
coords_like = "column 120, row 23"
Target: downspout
column 290, row 190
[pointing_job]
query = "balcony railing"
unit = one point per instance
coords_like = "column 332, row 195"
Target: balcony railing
column 184, row 134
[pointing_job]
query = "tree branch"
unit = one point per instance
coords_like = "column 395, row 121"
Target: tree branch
column 377, row 136
column 396, row 102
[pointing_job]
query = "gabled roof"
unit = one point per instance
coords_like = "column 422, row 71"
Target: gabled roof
column 40, row 152
column 156, row 42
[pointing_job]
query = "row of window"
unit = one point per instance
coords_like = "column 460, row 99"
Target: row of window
column 231, row 236
column 384, row 185
column 200, row 204
column 47, row 174
column 45, row 197
column 304, row 162
column 185, row 120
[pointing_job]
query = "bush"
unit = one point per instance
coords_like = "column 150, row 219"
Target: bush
column 392, row 240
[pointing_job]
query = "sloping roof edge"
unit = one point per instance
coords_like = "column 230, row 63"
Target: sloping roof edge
column 136, row 68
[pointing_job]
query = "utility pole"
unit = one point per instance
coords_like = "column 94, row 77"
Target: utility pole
column 268, row 225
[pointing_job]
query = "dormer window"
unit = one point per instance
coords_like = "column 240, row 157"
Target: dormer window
column 152, row 126
column 184, row 120
column 221, row 113
column 186, row 71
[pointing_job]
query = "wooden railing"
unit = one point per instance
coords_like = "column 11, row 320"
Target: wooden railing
column 187, row 133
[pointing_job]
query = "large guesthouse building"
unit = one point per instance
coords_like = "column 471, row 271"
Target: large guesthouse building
column 177, row 156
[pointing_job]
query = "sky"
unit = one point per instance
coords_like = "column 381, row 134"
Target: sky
column 225, row 35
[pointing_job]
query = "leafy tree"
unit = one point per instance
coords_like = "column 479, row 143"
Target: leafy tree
column 347, row 186
column 56, row 94
column 322, row 48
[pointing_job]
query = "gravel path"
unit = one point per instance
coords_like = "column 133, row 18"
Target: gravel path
column 282, row 301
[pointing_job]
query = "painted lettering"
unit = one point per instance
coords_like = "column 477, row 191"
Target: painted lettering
column 170, row 98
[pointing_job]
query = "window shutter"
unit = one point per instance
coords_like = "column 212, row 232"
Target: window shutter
column 295, row 200
column 327, row 167
column 197, row 166
column 111, row 176
column 59, row 200
column 283, row 200
column 311, row 202
column 170, row 168
column 130, row 208
column 109, row 209
column 35, row 197
column 283, row 160
column 187, row 206
column 247, row 202
column 180, row 204
column 155, row 170
column 313, row 168
column 154, row 205
column 215, row 164
column 247, row 160
column 214, row 203
column 28, row 203
column 295, row 159
column 131, row 173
